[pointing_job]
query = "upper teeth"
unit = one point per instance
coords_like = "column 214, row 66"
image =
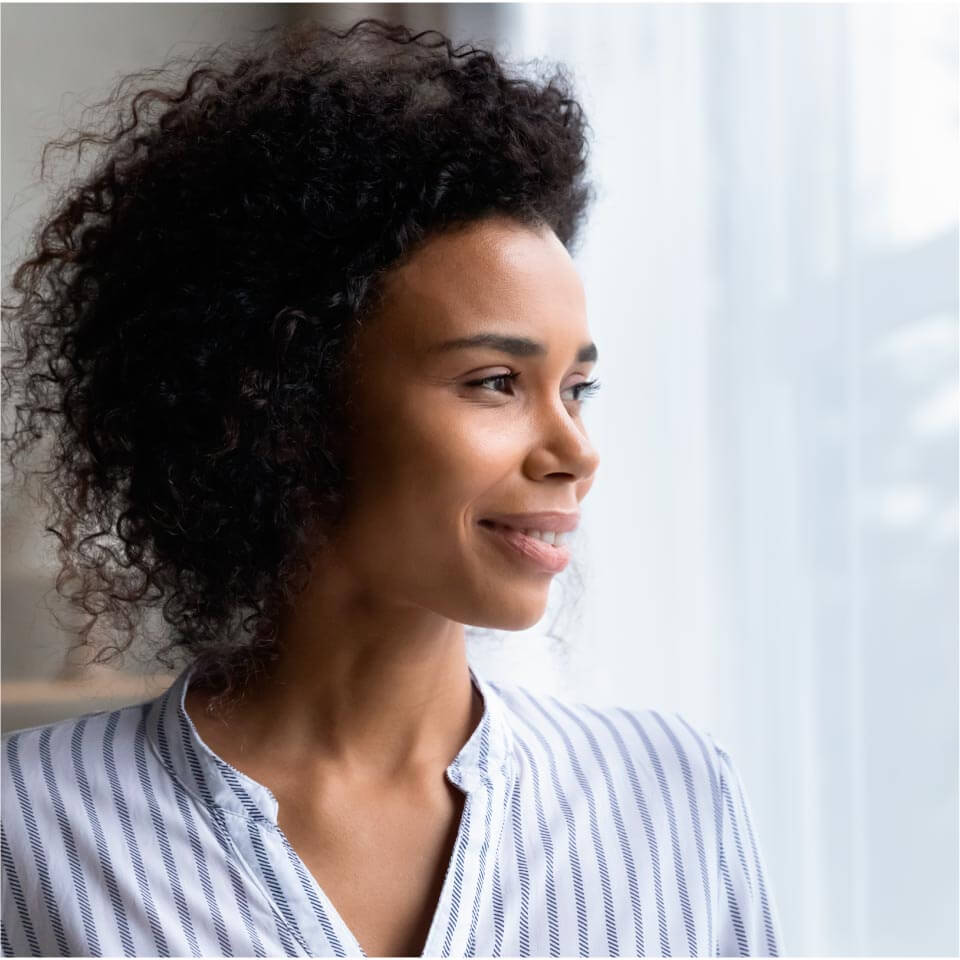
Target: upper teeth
column 547, row 536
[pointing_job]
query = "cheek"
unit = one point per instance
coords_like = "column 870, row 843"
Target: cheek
column 453, row 448
column 424, row 469
column 441, row 491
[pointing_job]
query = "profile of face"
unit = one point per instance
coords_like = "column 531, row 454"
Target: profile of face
column 445, row 438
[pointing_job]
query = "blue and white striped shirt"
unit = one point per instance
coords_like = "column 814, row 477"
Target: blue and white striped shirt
column 585, row 832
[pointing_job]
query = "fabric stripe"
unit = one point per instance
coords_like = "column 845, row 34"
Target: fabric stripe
column 489, row 797
column 716, row 802
column 768, row 922
column 666, row 794
column 560, row 796
column 192, row 763
column 103, row 854
column 457, row 885
column 694, row 810
column 286, row 923
column 160, row 834
column 23, row 914
column 523, row 875
column 129, row 834
column 550, row 890
column 308, row 884
column 36, row 845
column 80, row 886
column 200, row 858
column 240, row 893
column 651, row 837
column 633, row 884
column 497, row 911
column 598, row 848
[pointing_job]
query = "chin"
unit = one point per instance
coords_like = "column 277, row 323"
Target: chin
column 513, row 617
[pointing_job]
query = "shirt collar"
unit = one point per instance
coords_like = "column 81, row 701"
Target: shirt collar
column 485, row 762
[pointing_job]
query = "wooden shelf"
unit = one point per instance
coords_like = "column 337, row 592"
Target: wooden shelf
column 30, row 703
column 117, row 687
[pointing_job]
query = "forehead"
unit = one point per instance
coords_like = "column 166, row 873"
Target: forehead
column 490, row 276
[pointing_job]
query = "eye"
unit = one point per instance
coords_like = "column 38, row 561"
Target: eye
column 499, row 376
column 586, row 389
column 581, row 390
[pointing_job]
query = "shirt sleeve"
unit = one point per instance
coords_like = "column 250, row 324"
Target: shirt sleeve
column 748, row 924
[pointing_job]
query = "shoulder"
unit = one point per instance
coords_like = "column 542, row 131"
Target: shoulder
column 52, row 772
column 644, row 748
column 52, row 743
column 661, row 739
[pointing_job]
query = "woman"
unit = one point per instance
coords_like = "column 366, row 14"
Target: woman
column 316, row 357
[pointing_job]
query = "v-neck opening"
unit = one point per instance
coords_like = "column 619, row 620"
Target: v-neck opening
column 458, row 855
column 460, row 843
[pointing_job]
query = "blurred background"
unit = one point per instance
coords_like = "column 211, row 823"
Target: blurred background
column 771, row 544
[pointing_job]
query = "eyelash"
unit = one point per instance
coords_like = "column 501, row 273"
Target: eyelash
column 587, row 388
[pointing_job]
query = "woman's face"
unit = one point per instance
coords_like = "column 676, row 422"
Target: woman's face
column 435, row 452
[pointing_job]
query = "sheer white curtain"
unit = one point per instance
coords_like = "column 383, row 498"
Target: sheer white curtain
column 771, row 544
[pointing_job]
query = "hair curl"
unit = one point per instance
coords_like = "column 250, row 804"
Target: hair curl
column 186, row 316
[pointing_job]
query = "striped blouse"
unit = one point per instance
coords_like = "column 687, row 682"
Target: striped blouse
column 585, row 832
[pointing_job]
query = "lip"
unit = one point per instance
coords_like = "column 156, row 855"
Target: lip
column 555, row 520
column 543, row 556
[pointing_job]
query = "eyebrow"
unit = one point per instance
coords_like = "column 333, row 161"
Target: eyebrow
column 517, row 346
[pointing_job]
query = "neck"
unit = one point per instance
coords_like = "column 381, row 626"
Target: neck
column 355, row 700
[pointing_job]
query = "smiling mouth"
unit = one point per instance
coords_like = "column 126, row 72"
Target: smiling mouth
column 547, row 557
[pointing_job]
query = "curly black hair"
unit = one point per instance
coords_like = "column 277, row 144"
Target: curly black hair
column 185, row 319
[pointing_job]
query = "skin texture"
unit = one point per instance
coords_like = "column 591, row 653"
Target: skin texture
column 371, row 698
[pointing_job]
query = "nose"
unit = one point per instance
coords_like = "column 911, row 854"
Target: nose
column 562, row 446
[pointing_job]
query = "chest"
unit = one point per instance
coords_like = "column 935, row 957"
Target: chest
column 382, row 865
